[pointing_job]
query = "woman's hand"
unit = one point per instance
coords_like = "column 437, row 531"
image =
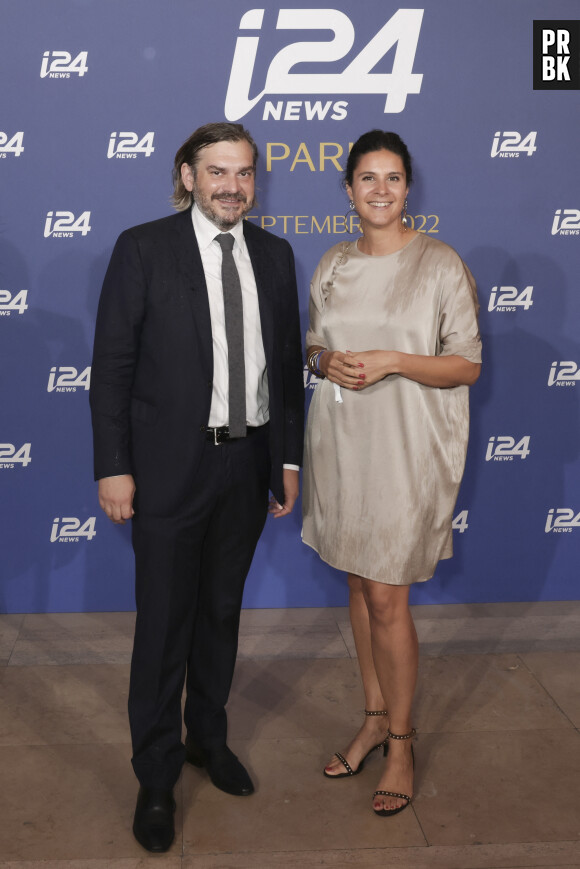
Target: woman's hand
column 374, row 364
column 441, row 372
column 340, row 368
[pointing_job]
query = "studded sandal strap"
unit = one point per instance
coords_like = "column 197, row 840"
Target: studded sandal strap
column 344, row 762
column 379, row 712
column 409, row 735
column 393, row 794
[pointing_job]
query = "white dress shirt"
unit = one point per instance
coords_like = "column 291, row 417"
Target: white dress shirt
column 257, row 399
column 257, row 404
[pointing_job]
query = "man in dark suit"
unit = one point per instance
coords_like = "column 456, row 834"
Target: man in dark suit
column 197, row 407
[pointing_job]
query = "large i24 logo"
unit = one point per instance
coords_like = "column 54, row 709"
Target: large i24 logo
column 401, row 32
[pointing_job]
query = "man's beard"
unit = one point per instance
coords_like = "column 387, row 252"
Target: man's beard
column 222, row 222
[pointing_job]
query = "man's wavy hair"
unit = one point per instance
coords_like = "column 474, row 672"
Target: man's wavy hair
column 209, row 134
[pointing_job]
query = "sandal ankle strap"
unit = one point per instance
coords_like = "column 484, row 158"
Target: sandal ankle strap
column 409, row 735
column 379, row 712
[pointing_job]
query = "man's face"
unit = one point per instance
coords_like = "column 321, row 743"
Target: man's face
column 222, row 183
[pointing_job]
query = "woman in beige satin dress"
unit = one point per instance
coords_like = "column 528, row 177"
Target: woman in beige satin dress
column 394, row 337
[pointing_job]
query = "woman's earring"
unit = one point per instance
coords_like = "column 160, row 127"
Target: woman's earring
column 404, row 215
column 348, row 217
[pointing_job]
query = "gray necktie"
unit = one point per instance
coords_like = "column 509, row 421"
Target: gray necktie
column 234, row 317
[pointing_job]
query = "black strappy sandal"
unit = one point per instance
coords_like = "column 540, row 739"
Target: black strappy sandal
column 349, row 770
column 385, row 813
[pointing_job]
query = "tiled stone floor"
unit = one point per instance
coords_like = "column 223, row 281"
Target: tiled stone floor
column 498, row 751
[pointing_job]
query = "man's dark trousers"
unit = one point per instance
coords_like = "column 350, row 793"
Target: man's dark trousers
column 191, row 569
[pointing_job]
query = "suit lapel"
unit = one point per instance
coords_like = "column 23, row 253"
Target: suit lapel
column 186, row 251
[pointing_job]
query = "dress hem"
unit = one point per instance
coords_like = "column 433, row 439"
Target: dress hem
column 372, row 578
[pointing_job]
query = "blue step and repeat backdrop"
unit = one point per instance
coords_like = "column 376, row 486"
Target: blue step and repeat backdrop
column 96, row 97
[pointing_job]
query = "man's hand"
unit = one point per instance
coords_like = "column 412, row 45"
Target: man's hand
column 116, row 497
column 291, row 480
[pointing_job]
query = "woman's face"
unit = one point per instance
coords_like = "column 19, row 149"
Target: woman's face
column 379, row 188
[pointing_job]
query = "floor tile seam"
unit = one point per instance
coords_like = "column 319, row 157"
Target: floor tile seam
column 16, row 638
column 420, row 825
column 344, row 642
column 548, row 694
column 341, row 630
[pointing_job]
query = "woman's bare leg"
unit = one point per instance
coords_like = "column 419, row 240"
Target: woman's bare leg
column 374, row 728
column 395, row 655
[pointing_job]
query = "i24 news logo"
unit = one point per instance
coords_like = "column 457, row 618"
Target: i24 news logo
column 10, row 455
column 562, row 520
column 69, row 529
column 129, row 146
column 566, row 222
column 508, row 299
column 563, row 373
column 12, row 146
column 10, row 303
column 511, row 144
column 502, row 448
column 460, row 522
column 67, row 379
column 63, row 224
column 401, row 31
column 60, row 64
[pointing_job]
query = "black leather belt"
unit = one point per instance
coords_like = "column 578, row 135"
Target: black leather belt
column 221, row 435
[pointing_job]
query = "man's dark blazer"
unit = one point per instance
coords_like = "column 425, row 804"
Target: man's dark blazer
column 152, row 370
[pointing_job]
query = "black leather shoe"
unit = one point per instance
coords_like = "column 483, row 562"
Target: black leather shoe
column 224, row 768
column 153, row 825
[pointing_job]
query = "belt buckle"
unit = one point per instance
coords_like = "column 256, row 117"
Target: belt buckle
column 220, row 435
